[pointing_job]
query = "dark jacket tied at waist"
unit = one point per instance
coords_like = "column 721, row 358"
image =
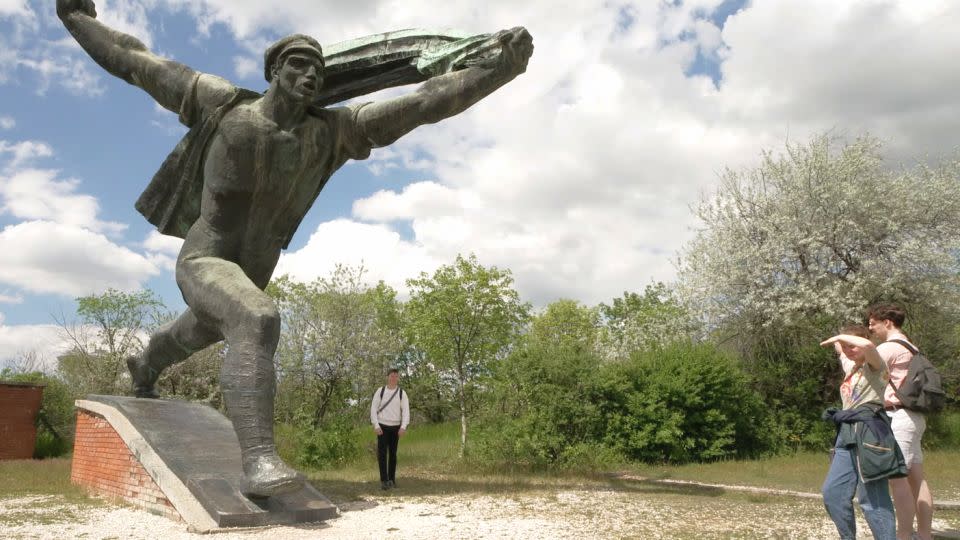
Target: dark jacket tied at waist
column 867, row 431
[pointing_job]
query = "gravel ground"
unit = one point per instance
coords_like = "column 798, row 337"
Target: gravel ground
column 649, row 513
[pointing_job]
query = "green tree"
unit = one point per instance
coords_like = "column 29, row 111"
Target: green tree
column 824, row 229
column 464, row 317
column 543, row 401
column 566, row 323
column 111, row 327
column 338, row 337
column 791, row 249
column 640, row 321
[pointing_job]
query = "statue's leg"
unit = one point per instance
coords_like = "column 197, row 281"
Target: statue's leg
column 220, row 292
column 173, row 343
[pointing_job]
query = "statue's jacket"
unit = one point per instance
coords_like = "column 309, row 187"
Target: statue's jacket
column 171, row 201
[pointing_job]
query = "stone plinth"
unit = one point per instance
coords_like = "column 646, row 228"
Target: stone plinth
column 178, row 459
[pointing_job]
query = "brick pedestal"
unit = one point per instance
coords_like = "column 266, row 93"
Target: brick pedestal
column 177, row 459
column 103, row 464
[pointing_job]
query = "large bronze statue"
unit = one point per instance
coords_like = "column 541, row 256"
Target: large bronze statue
column 242, row 179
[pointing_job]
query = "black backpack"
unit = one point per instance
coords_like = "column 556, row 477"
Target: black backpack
column 922, row 388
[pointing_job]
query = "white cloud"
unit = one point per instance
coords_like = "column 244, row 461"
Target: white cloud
column 7, row 122
column 380, row 250
column 45, row 341
column 162, row 243
column 245, row 67
column 15, row 8
column 36, row 194
column 46, row 257
column 162, row 250
column 885, row 67
column 23, row 152
column 417, row 199
column 39, row 194
column 73, row 74
column 9, row 299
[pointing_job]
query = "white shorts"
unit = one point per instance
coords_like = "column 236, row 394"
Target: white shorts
column 908, row 428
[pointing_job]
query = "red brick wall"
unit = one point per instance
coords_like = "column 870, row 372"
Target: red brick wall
column 19, row 405
column 103, row 464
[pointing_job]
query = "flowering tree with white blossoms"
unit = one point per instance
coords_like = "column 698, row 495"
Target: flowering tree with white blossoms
column 821, row 230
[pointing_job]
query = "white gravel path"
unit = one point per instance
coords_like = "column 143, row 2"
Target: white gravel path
column 566, row 514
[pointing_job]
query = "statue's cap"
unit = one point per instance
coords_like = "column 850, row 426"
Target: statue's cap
column 293, row 42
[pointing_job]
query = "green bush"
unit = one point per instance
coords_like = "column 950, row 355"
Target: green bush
column 797, row 380
column 790, row 431
column 543, row 400
column 560, row 406
column 49, row 445
column 331, row 445
column 686, row 402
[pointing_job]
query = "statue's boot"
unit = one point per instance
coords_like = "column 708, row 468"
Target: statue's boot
column 144, row 376
column 161, row 352
column 265, row 474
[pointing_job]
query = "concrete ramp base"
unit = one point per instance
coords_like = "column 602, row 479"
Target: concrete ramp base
column 179, row 459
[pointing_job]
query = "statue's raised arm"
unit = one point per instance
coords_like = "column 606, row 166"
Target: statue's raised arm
column 449, row 94
column 125, row 56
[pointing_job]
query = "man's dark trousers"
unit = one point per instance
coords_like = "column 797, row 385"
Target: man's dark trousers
column 388, row 441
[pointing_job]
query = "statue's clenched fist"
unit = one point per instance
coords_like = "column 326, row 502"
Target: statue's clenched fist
column 69, row 7
column 516, row 47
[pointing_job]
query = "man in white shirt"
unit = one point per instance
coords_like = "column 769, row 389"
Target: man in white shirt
column 390, row 415
column 911, row 495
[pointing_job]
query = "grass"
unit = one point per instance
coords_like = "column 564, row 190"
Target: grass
column 22, row 478
column 48, row 479
column 803, row 471
column 429, row 465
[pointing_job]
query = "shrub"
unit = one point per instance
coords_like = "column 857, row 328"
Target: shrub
column 49, row 445
column 686, row 402
column 331, row 445
column 544, row 400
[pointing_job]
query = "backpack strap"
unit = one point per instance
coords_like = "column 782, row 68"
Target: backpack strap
column 393, row 395
column 906, row 345
column 382, row 388
column 914, row 351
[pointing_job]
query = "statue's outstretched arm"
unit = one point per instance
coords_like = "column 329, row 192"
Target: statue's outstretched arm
column 125, row 56
column 446, row 95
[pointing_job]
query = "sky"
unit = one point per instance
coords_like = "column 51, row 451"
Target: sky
column 578, row 176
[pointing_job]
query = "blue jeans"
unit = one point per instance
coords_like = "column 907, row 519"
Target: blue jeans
column 841, row 484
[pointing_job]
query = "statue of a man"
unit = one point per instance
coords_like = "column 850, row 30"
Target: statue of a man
column 238, row 186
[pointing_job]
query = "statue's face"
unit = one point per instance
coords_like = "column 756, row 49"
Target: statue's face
column 300, row 76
